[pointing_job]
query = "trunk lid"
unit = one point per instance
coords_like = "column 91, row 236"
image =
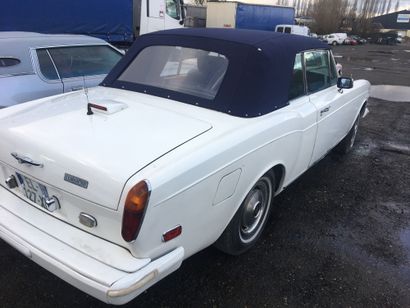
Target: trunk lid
column 104, row 149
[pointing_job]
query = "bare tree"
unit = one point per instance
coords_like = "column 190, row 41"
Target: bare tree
column 304, row 8
column 397, row 6
column 309, row 7
column 388, row 7
column 383, row 10
column 329, row 14
column 298, row 7
column 374, row 7
column 354, row 7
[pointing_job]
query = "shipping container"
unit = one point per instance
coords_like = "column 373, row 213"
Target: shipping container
column 248, row 16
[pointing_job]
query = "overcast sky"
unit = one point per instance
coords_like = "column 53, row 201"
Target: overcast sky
column 405, row 4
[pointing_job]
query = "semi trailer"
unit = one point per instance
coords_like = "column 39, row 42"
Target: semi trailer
column 116, row 21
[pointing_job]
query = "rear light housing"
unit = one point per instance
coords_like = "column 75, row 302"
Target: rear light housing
column 134, row 210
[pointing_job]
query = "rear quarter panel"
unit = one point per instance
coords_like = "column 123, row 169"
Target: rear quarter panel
column 185, row 182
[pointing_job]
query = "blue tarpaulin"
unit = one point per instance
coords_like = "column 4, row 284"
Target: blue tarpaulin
column 263, row 17
column 107, row 19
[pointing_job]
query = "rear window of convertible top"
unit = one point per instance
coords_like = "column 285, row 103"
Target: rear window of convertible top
column 190, row 71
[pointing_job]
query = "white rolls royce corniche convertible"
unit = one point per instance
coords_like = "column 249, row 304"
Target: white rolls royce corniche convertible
column 185, row 144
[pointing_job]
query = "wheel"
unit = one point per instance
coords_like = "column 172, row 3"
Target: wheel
column 334, row 43
column 249, row 221
column 347, row 142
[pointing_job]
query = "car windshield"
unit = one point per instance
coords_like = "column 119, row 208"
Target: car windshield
column 190, row 71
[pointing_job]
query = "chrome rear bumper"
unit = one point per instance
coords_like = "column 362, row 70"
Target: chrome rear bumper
column 93, row 275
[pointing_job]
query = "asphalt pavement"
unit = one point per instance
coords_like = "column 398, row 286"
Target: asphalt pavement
column 338, row 236
column 380, row 64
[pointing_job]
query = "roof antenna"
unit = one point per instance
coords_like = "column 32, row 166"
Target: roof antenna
column 89, row 111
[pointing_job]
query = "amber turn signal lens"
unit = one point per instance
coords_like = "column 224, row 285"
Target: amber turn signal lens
column 134, row 211
column 171, row 234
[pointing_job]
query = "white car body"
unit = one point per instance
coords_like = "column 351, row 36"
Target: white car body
column 199, row 163
column 26, row 81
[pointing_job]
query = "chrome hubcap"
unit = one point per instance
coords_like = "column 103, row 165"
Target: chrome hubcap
column 255, row 210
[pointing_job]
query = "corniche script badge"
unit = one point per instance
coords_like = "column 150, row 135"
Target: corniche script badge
column 75, row 180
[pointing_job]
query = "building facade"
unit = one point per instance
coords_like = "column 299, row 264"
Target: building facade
column 397, row 21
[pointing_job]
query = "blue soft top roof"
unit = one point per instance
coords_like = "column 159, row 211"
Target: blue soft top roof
column 259, row 72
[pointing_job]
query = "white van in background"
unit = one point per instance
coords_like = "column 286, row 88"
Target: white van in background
column 335, row 38
column 293, row 29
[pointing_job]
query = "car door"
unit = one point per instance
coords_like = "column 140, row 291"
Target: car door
column 299, row 103
column 85, row 65
column 331, row 116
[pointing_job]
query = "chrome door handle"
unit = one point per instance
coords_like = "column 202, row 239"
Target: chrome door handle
column 324, row 110
column 77, row 88
column 26, row 160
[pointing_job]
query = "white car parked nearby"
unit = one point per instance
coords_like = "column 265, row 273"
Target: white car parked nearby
column 335, row 38
column 34, row 65
column 293, row 29
column 185, row 144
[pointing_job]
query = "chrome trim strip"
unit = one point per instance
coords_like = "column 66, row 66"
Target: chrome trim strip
column 52, row 61
column 17, row 74
column 9, row 57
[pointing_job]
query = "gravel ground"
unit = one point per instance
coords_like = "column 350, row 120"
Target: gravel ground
column 338, row 236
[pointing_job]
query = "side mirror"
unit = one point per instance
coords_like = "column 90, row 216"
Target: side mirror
column 345, row 83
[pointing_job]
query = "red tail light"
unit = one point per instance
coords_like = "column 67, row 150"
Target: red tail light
column 134, row 211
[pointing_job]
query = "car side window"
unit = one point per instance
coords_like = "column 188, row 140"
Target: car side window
column 288, row 30
column 318, row 75
column 82, row 61
column 172, row 9
column 280, row 29
column 297, row 86
column 46, row 65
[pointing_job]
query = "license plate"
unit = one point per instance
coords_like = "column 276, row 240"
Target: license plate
column 33, row 190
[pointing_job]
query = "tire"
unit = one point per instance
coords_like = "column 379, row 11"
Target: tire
column 249, row 221
column 334, row 43
column 346, row 145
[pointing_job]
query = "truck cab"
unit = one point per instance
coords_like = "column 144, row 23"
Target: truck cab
column 156, row 15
